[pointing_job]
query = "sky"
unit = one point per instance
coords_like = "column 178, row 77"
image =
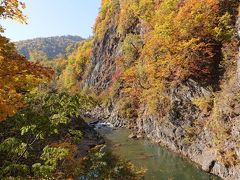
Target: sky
column 54, row 18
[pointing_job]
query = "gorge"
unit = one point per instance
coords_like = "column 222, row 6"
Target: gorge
column 202, row 117
column 158, row 84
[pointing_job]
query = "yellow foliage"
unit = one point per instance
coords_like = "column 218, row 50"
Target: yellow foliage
column 77, row 67
column 12, row 9
column 17, row 76
column 204, row 103
column 180, row 41
column 128, row 16
column 106, row 15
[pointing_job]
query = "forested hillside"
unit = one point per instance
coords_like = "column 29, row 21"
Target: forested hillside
column 47, row 48
column 166, row 69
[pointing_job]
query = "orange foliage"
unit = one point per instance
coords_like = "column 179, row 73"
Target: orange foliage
column 17, row 76
column 106, row 16
column 179, row 40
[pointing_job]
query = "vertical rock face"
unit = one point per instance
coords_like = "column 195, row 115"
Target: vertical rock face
column 106, row 50
column 103, row 60
column 238, row 60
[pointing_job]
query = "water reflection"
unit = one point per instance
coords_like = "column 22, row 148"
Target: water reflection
column 159, row 162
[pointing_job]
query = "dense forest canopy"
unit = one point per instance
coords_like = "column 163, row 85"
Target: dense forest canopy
column 167, row 42
column 48, row 48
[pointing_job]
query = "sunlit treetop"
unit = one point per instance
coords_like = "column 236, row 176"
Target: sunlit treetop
column 12, row 9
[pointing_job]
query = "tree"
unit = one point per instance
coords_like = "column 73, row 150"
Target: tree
column 106, row 16
column 178, row 40
column 77, row 66
column 12, row 9
column 17, row 75
column 37, row 56
column 26, row 142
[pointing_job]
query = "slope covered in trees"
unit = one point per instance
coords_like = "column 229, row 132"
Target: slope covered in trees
column 77, row 67
column 47, row 48
column 40, row 126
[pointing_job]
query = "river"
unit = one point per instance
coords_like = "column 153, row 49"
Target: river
column 161, row 164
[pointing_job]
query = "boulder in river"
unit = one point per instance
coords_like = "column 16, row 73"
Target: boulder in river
column 132, row 136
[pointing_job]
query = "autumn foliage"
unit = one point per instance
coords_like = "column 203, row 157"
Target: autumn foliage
column 17, row 75
column 12, row 9
column 106, row 15
column 178, row 40
column 162, row 43
column 77, row 66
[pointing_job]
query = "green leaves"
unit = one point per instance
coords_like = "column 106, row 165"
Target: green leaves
column 51, row 156
column 14, row 147
column 225, row 30
column 33, row 145
column 48, row 110
column 27, row 129
column 76, row 134
column 10, row 168
column 101, row 164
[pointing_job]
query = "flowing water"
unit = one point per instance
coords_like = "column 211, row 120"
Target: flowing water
column 161, row 164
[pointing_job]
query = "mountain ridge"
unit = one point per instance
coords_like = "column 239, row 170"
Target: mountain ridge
column 49, row 47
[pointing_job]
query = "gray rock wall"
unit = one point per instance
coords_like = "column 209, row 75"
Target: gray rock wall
column 172, row 130
column 238, row 60
column 103, row 60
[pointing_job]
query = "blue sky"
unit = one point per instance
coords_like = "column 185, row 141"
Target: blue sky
column 54, row 17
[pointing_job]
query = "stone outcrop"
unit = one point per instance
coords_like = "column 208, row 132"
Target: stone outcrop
column 103, row 60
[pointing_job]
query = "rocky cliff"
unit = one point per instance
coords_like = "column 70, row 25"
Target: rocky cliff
column 199, row 123
column 105, row 51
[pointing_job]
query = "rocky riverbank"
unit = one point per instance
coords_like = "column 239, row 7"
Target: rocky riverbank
column 183, row 130
column 90, row 137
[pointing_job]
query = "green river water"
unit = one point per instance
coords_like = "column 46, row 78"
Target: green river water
column 161, row 164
